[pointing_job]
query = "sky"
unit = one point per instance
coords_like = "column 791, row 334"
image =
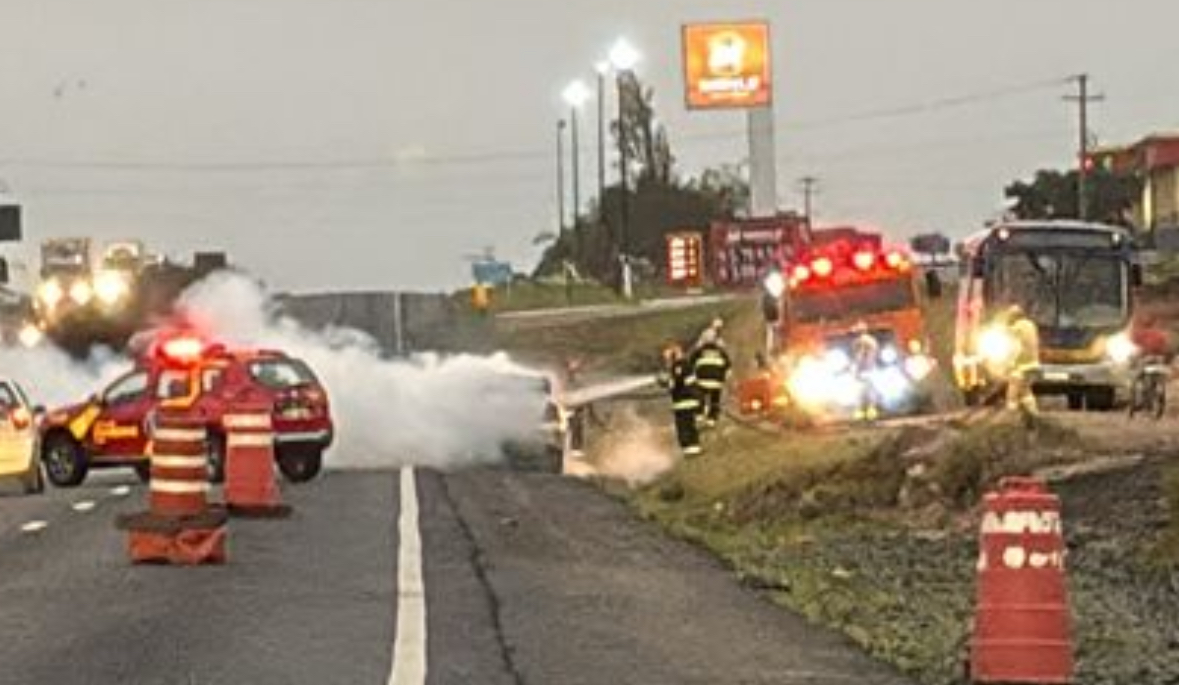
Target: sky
column 374, row 144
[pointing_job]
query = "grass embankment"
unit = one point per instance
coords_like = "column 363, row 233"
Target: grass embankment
column 862, row 531
column 629, row 344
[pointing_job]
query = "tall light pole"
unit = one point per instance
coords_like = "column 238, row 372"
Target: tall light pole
column 560, row 178
column 602, row 69
column 576, row 94
column 624, row 58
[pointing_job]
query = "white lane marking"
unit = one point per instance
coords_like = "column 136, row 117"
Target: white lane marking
column 83, row 505
column 409, row 649
column 34, row 526
column 121, row 490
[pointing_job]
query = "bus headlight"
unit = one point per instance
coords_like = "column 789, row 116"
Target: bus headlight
column 996, row 345
column 889, row 355
column 111, row 288
column 81, row 293
column 1119, row 348
column 51, row 293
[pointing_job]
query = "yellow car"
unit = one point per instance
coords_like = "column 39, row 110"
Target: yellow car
column 19, row 440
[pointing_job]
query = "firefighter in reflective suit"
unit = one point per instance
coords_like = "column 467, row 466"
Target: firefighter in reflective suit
column 1025, row 364
column 710, row 363
column 865, row 351
column 680, row 382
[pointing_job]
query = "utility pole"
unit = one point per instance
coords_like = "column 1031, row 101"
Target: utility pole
column 574, row 144
column 624, row 187
column 602, row 69
column 1083, row 98
column 808, row 184
column 560, row 178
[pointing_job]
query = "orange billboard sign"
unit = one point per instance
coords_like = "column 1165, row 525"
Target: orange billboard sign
column 727, row 65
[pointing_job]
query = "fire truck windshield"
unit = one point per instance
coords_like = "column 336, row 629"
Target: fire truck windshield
column 1063, row 289
column 852, row 300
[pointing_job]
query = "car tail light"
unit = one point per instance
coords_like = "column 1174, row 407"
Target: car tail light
column 894, row 260
column 801, row 274
column 822, row 267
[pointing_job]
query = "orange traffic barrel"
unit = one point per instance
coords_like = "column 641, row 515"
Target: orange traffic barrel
column 180, row 526
column 179, row 467
column 1022, row 631
column 251, row 487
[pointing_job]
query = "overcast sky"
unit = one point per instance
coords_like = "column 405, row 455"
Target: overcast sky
column 306, row 102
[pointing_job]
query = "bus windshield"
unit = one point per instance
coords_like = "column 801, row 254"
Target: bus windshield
column 847, row 301
column 1062, row 289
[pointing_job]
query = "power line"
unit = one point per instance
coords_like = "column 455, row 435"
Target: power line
column 500, row 156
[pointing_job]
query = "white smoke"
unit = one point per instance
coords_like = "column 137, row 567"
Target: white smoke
column 52, row 378
column 426, row 410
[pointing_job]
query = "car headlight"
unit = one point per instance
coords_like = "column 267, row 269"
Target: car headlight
column 1120, row 348
column 889, row 355
column 775, row 284
column 996, row 345
column 81, row 293
column 111, row 287
column 50, row 293
column 30, row 335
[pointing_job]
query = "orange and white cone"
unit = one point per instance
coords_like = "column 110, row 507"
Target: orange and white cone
column 251, row 485
column 180, row 526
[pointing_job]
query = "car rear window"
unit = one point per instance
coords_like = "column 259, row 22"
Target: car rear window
column 280, row 374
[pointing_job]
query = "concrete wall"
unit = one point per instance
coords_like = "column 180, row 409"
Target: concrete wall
column 426, row 321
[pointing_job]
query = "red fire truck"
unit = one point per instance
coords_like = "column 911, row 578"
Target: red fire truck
column 824, row 293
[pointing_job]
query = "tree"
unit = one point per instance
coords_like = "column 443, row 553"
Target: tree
column 1052, row 194
column 658, row 202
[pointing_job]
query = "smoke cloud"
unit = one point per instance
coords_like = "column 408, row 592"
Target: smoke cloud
column 425, row 410
column 52, row 378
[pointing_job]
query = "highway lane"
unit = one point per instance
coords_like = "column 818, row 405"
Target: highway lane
column 525, row 578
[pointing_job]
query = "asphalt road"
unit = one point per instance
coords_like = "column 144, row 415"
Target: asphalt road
column 521, row 578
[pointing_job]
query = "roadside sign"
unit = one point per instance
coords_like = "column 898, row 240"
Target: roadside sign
column 685, row 259
column 727, row 65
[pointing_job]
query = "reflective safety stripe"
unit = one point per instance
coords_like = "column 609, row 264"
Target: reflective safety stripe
column 710, row 384
column 690, row 380
column 178, row 434
column 693, row 450
column 178, row 462
column 711, row 362
column 179, row 487
column 686, row 404
column 249, row 440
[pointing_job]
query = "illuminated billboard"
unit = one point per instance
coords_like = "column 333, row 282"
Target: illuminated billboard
column 727, row 65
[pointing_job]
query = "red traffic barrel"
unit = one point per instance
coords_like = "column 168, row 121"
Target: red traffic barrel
column 1021, row 624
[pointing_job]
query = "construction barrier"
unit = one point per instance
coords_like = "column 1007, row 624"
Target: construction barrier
column 1021, row 626
column 251, row 484
column 180, row 526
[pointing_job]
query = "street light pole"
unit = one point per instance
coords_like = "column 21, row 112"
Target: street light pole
column 623, row 57
column 576, row 94
column 602, row 68
column 560, row 178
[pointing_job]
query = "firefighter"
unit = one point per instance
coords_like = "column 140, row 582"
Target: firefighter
column 713, row 332
column 711, row 364
column 1025, row 364
column 677, row 377
column 865, row 351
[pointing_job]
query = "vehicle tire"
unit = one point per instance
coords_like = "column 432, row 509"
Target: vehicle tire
column 1100, row 399
column 299, row 465
column 66, row 463
column 33, row 482
column 143, row 472
column 216, row 458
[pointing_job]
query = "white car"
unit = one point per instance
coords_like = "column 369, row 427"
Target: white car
column 19, row 438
